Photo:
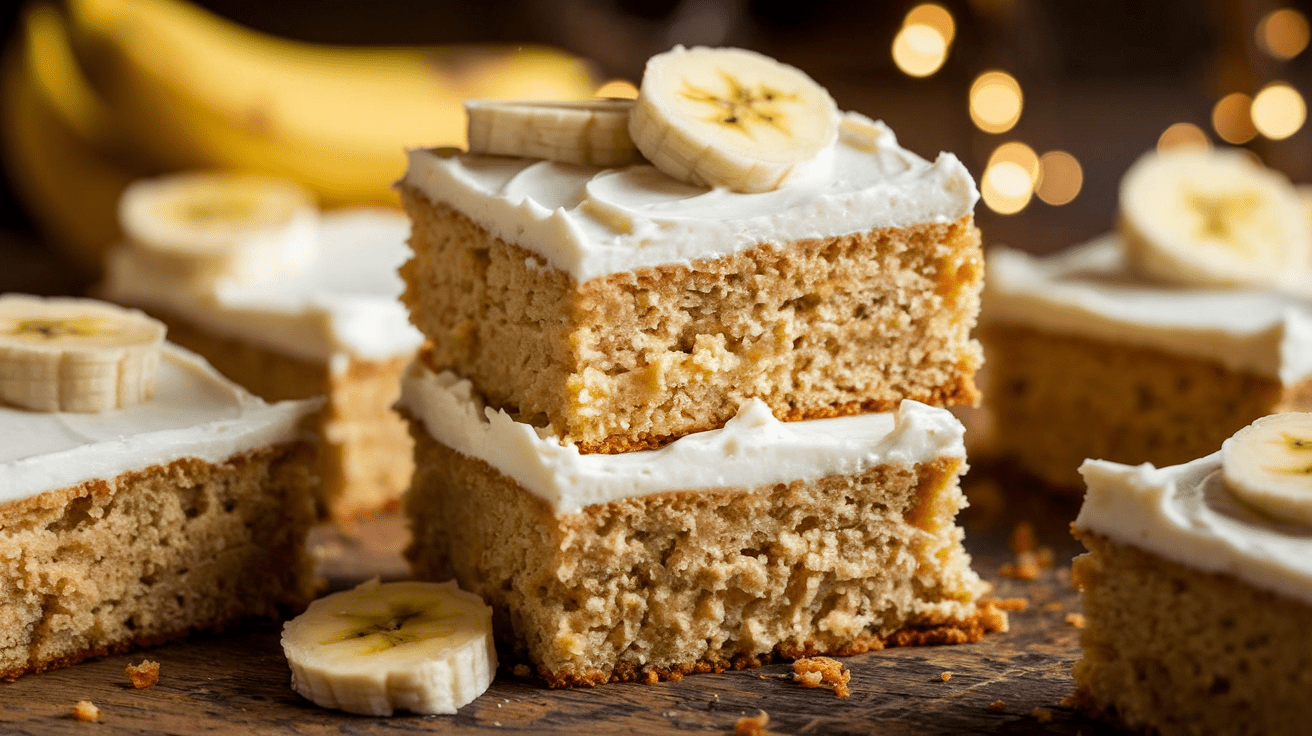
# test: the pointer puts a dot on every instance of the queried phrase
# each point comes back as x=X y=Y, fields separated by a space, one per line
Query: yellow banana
x=200 y=91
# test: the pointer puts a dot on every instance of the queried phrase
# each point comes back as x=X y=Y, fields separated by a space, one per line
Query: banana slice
x=421 y=647
x=76 y=355
x=1213 y=218
x=206 y=226
x=731 y=118
x=594 y=133
x=1268 y=464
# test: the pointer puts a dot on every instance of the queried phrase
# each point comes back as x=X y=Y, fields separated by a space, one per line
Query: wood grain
x=239 y=683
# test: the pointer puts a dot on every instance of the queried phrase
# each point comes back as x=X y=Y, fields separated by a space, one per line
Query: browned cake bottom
x=1056 y=400
x=365 y=452
x=630 y=361
x=152 y=555
x=661 y=586
x=1171 y=650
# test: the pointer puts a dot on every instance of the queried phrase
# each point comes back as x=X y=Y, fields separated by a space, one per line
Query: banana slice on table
x=76 y=355
x=421 y=647
x=1268 y=465
x=594 y=133
x=210 y=225
x=731 y=118
x=1213 y=218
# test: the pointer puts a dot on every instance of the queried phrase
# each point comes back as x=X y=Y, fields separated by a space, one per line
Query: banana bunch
x=107 y=91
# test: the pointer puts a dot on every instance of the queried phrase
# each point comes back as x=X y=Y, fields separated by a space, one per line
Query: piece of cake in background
x=1156 y=343
x=663 y=427
x=288 y=302
x=723 y=549
x=142 y=495
x=1197 y=588
x=626 y=308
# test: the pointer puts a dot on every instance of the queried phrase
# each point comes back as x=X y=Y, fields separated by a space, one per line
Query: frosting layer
x=593 y=222
x=1088 y=291
x=1184 y=513
x=752 y=449
x=345 y=302
x=195 y=413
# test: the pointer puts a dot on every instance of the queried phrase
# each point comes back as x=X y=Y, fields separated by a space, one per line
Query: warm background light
x=919 y=50
x=935 y=16
x=1278 y=111
x=1020 y=154
x=1283 y=33
x=618 y=88
x=995 y=102
x=1232 y=120
x=1006 y=187
x=1060 y=178
x=1183 y=135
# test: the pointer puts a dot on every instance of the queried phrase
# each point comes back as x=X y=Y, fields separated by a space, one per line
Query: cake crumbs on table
x=143 y=675
x=822 y=672
x=1042 y=715
x=1026 y=567
x=1054 y=606
x=997 y=706
x=945 y=676
x=1075 y=619
x=86 y=711
x=1011 y=604
x=751 y=725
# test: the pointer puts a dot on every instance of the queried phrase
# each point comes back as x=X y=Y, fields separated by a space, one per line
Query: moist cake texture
x=625 y=309
x=1087 y=360
x=132 y=527
x=1196 y=607
x=336 y=330
x=722 y=549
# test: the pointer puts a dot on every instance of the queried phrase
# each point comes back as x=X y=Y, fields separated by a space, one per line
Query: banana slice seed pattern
x=742 y=106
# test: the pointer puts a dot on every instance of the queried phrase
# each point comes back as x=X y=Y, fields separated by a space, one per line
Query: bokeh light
x=919 y=50
x=1006 y=187
x=618 y=88
x=1183 y=135
x=1283 y=33
x=1278 y=111
x=1020 y=154
x=935 y=16
x=1232 y=119
x=995 y=102
x=1060 y=178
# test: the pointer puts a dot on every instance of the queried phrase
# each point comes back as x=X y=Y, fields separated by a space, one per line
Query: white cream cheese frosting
x=592 y=222
x=195 y=413
x=1089 y=291
x=345 y=303
x=1184 y=514
x=752 y=449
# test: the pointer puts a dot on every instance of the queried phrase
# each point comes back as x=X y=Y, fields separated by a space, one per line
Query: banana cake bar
x=1196 y=604
x=723 y=549
x=625 y=309
x=187 y=511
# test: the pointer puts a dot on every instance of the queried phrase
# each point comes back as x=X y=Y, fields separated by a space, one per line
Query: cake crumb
x=651 y=678
x=1026 y=567
x=751 y=725
x=993 y=618
x=143 y=675
x=997 y=706
x=1042 y=715
x=521 y=670
x=1075 y=619
x=1054 y=606
x=945 y=676
x=821 y=671
x=1012 y=604
x=1022 y=537
x=1045 y=557
x=86 y=711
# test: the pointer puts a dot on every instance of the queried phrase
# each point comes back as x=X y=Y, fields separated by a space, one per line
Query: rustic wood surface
x=239 y=682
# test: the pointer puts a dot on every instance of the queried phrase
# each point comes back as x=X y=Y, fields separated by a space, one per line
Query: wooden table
x=239 y=683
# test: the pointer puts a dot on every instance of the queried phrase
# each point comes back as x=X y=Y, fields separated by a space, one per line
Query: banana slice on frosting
x=594 y=133
x=76 y=355
x=731 y=118
x=1213 y=218
x=1268 y=465
x=211 y=225
x=380 y=647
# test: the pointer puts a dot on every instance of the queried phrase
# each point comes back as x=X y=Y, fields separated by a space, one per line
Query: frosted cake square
x=723 y=549
x=625 y=309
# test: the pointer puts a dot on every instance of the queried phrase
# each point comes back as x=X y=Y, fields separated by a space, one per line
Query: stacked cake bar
x=665 y=428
